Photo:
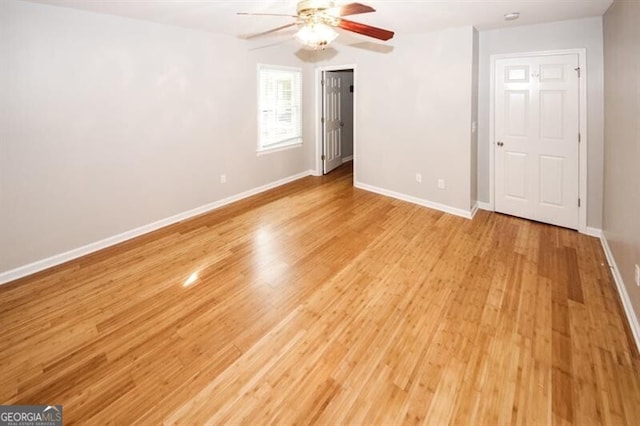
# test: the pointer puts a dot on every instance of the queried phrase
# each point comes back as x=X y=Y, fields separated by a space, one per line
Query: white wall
x=583 y=33
x=413 y=113
x=108 y=124
x=475 y=82
x=622 y=146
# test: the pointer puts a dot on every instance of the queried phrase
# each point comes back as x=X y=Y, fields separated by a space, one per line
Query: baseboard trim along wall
x=484 y=206
x=467 y=214
x=61 y=258
x=347 y=159
x=593 y=232
x=474 y=209
x=622 y=291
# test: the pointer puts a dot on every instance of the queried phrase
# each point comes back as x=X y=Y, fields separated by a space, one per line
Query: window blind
x=279 y=106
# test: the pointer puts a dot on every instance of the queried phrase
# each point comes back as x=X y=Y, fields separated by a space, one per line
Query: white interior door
x=332 y=123
x=537 y=138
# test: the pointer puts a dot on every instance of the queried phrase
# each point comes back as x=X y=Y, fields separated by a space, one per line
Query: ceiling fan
x=317 y=18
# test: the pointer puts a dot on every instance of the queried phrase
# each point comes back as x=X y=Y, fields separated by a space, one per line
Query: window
x=279 y=107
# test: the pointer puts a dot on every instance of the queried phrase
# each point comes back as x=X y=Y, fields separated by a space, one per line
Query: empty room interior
x=319 y=212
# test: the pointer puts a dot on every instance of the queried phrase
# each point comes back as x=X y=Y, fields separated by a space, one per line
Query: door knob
x=341 y=124
x=500 y=143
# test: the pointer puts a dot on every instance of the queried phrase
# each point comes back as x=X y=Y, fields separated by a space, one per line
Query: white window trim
x=278 y=148
x=296 y=142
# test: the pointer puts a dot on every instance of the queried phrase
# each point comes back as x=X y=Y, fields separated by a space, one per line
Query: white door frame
x=582 y=156
x=318 y=115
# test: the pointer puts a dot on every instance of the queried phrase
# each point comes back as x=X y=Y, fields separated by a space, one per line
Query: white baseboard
x=622 y=290
x=40 y=265
x=467 y=214
x=484 y=206
x=347 y=159
x=474 y=210
x=593 y=232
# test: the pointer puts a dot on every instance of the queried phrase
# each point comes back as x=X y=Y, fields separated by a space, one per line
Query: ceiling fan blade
x=250 y=36
x=368 y=30
x=277 y=43
x=266 y=14
x=349 y=9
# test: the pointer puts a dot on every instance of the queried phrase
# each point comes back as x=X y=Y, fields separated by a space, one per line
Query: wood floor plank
x=318 y=303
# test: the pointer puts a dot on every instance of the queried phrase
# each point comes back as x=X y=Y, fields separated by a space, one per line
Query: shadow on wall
x=373 y=47
x=314 y=56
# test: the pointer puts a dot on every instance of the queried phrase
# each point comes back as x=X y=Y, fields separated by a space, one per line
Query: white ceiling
x=401 y=16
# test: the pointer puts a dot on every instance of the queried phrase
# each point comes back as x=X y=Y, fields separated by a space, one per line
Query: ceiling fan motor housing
x=308 y=7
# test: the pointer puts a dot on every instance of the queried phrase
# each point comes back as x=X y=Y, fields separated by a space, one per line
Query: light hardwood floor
x=320 y=303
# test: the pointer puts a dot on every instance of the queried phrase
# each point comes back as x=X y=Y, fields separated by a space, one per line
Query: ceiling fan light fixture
x=316 y=35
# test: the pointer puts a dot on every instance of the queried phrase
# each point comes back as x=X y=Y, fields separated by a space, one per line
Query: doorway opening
x=335 y=117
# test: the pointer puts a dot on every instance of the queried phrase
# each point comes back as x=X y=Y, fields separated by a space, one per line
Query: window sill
x=278 y=149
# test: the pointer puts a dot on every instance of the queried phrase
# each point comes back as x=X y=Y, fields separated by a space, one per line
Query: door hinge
x=579 y=202
x=578 y=71
x=322 y=82
x=322 y=157
x=322 y=120
x=579 y=137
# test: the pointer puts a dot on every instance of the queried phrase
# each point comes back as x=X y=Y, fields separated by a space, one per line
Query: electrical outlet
x=223 y=178
x=440 y=183
x=419 y=177
x=637 y=275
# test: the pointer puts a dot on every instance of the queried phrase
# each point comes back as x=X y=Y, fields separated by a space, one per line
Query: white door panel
x=551 y=172
x=536 y=147
x=517 y=113
x=515 y=178
x=552 y=114
x=332 y=121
